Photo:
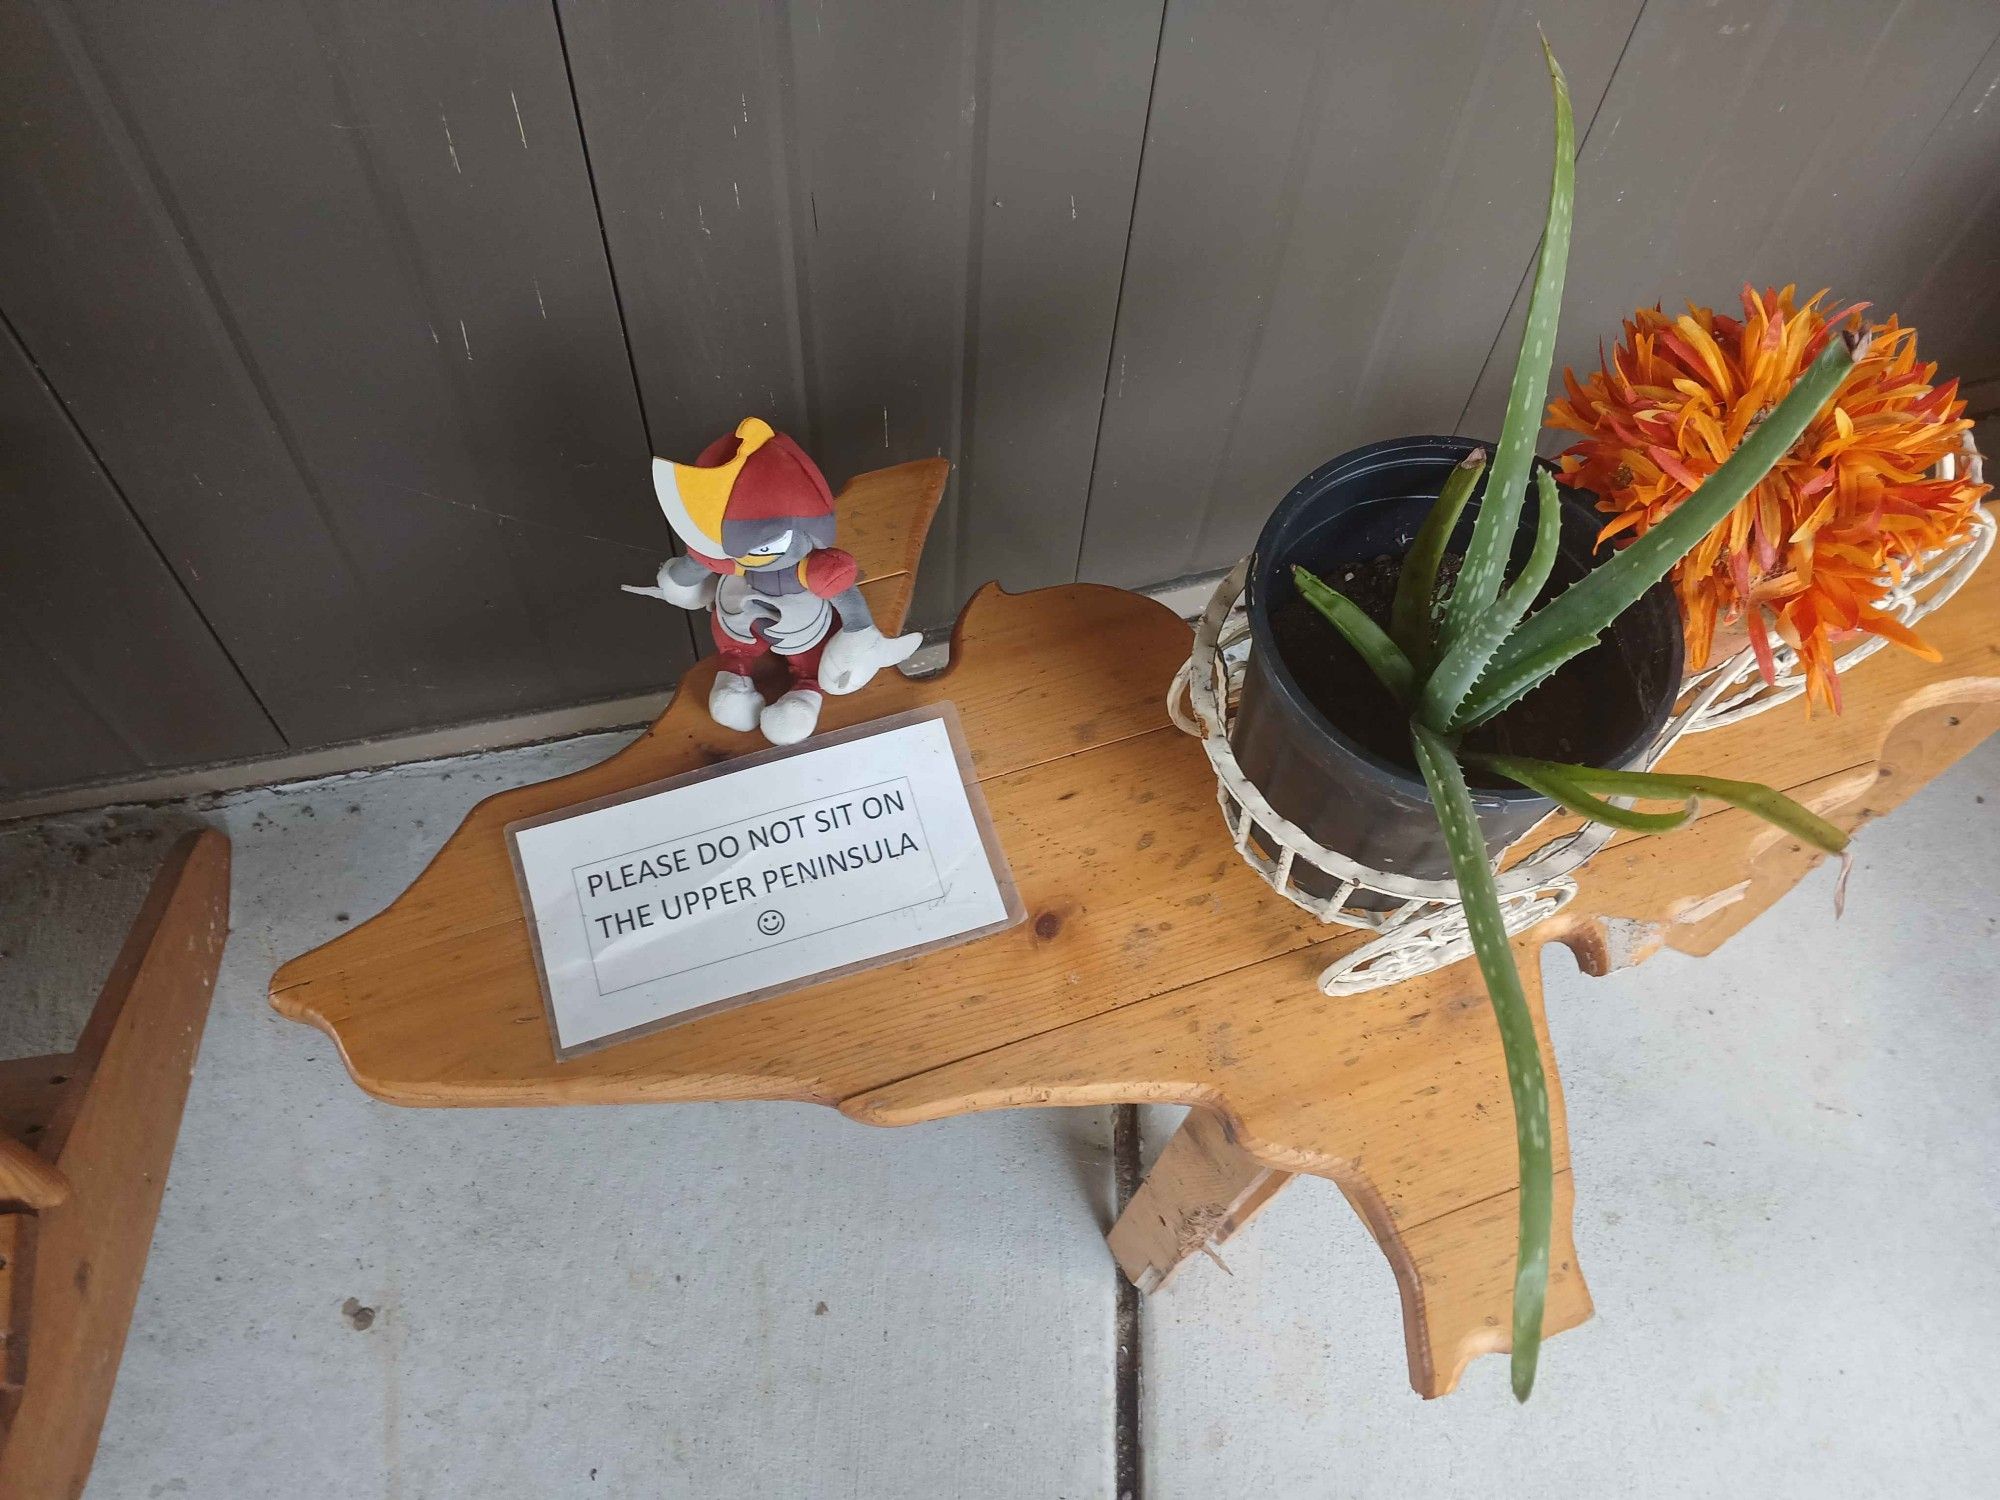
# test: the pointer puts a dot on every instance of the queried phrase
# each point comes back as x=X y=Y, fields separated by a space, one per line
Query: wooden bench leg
x=104 y=1119
x=1202 y=1190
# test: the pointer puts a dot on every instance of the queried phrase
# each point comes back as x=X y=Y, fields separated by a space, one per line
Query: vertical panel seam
x=603 y=238
x=789 y=181
x=1118 y=301
x=152 y=542
x=965 y=435
x=695 y=642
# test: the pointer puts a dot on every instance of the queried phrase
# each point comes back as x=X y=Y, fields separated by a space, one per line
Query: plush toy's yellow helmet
x=695 y=496
x=748 y=488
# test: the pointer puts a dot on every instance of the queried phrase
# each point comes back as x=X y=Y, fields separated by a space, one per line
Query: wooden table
x=1153 y=967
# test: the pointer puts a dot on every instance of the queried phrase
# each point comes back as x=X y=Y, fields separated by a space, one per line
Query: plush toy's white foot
x=735 y=703
x=792 y=717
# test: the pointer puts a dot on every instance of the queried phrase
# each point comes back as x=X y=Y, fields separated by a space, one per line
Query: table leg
x=1397 y=1096
x=1202 y=1190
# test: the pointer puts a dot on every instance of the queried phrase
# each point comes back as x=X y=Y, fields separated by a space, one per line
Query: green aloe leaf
x=1448 y=685
x=1590 y=604
x=1521 y=593
x=1561 y=789
x=1384 y=657
x=1517 y=1041
x=1410 y=620
x=1506 y=487
x=1772 y=806
x=1498 y=691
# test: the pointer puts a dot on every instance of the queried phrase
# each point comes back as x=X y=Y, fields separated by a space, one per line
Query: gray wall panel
x=372 y=310
x=686 y=112
x=897 y=227
x=324 y=286
x=1833 y=144
x=1946 y=244
x=1336 y=204
x=105 y=296
x=105 y=667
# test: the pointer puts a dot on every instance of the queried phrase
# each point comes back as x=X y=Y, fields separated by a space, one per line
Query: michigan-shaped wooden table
x=1152 y=966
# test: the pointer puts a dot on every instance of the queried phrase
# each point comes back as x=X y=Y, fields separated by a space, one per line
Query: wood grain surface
x=1154 y=966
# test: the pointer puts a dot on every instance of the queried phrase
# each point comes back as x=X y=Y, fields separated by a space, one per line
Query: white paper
x=756 y=879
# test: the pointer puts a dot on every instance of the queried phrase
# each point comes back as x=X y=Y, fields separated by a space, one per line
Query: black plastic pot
x=1367 y=504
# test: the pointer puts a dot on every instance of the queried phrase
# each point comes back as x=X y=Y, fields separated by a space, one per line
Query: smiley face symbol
x=770 y=923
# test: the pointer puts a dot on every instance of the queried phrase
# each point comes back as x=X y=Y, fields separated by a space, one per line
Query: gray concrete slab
x=1787 y=1202
x=347 y=1299
x=1787 y=1198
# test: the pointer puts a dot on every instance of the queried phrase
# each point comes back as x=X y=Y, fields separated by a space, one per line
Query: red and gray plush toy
x=756 y=517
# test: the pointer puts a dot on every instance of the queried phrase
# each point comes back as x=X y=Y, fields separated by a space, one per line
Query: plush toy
x=756 y=517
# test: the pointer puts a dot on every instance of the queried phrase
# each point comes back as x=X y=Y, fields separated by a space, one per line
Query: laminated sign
x=743 y=881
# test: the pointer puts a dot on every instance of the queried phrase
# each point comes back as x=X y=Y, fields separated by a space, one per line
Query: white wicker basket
x=1420 y=924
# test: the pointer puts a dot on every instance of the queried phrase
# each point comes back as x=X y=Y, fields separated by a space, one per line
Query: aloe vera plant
x=1456 y=666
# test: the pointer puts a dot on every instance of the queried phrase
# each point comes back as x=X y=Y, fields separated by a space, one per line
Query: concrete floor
x=1787 y=1203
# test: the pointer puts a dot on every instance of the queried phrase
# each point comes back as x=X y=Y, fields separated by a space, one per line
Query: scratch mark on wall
x=1072 y=205
x=885 y=427
x=497 y=515
x=434 y=333
x=464 y=339
x=449 y=145
x=538 y=299
x=738 y=192
x=702 y=219
x=521 y=129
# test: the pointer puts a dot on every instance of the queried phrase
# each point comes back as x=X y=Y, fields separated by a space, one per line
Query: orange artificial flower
x=1820 y=540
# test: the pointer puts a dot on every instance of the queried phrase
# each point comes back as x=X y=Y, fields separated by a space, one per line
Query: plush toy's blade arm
x=683 y=582
x=853 y=656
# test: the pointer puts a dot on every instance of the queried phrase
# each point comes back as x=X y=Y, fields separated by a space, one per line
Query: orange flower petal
x=1818 y=540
